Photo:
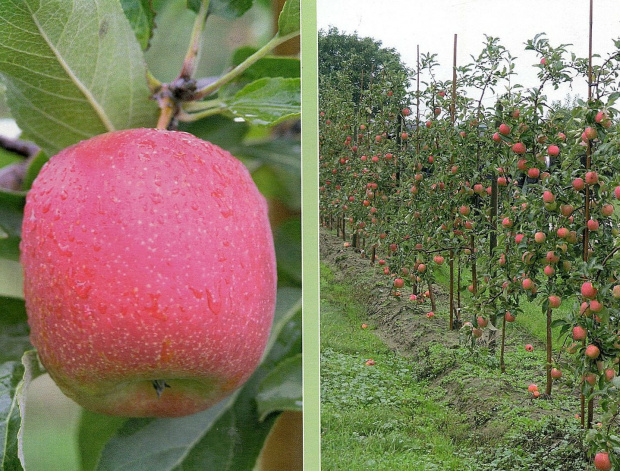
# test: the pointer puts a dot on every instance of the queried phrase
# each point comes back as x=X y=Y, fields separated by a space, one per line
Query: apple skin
x=147 y=255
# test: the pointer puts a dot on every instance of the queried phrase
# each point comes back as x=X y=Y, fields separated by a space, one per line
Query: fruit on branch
x=518 y=148
x=592 y=352
x=150 y=275
x=602 y=461
x=579 y=333
x=588 y=291
x=504 y=129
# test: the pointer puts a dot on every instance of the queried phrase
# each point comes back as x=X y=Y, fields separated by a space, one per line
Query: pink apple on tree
x=130 y=313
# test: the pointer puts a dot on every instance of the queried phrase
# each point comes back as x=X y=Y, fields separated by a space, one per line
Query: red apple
x=540 y=237
x=591 y=177
x=579 y=333
x=592 y=224
x=549 y=270
x=553 y=150
x=504 y=129
x=590 y=133
x=579 y=184
x=592 y=352
x=370 y=362
x=607 y=210
x=602 y=461
x=131 y=314
x=399 y=283
x=529 y=348
x=555 y=373
x=588 y=291
x=533 y=172
x=548 y=197
x=406 y=111
x=496 y=137
x=554 y=301
x=518 y=148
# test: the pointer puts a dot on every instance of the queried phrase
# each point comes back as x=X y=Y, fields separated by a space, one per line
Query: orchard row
x=520 y=198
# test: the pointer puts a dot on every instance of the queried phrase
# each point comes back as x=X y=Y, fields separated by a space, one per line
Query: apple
x=553 y=150
x=540 y=237
x=590 y=133
x=533 y=172
x=364 y=326
x=465 y=210
x=592 y=224
x=602 y=461
x=566 y=209
x=579 y=184
x=588 y=291
x=399 y=283
x=592 y=352
x=591 y=177
x=504 y=129
x=532 y=387
x=149 y=272
x=477 y=332
x=515 y=113
x=590 y=378
x=551 y=257
x=528 y=284
x=482 y=322
x=579 y=333
x=616 y=291
x=438 y=259
x=549 y=270
x=430 y=314
x=507 y=222
x=609 y=374
x=370 y=362
x=548 y=197
x=554 y=301
x=607 y=210
x=496 y=137
x=555 y=373
x=518 y=148
x=529 y=348
x=406 y=111
x=562 y=232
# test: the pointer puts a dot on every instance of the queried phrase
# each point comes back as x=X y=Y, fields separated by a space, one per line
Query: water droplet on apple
x=64 y=195
x=46 y=207
x=215 y=303
x=82 y=289
x=196 y=292
x=156 y=198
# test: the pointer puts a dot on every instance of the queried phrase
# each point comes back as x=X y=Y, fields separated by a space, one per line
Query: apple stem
x=191 y=57
x=160 y=385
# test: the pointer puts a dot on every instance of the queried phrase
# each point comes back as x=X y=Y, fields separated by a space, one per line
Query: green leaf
x=225 y=8
x=267 y=101
x=288 y=22
x=11 y=214
x=14 y=330
x=72 y=69
x=217 y=435
x=285 y=67
x=288 y=249
x=141 y=18
x=281 y=389
x=15 y=378
x=11 y=374
x=34 y=168
x=94 y=432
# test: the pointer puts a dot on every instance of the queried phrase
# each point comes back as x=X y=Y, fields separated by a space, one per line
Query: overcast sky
x=404 y=24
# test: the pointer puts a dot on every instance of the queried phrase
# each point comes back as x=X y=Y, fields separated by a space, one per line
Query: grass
x=378 y=417
x=445 y=409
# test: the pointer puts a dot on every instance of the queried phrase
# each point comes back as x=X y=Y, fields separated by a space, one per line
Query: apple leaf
x=141 y=18
x=217 y=435
x=34 y=167
x=285 y=67
x=11 y=373
x=15 y=376
x=61 y=90
x=224 y=8
x=11 y=214
x=93 y=433
x=282 y=388
x=267 y=101
x=289 y=19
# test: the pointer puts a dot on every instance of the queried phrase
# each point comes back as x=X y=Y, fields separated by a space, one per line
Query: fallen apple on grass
x=150 y=275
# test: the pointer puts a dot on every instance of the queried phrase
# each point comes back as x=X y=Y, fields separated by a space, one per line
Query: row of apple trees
x=516 y=195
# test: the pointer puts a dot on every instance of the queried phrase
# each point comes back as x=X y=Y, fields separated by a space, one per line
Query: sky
x=405 y=24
